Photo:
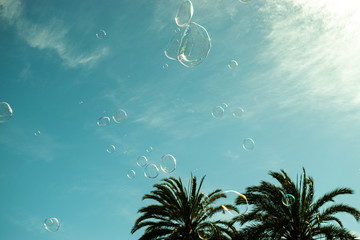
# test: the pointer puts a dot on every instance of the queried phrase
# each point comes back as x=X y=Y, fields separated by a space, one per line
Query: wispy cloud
x=49 y=36
x=312 y=51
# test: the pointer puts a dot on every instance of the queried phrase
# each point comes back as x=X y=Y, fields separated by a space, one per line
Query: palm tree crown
x=272 y=216
x=179 y=212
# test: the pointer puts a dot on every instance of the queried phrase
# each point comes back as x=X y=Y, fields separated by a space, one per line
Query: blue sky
x=297 y=80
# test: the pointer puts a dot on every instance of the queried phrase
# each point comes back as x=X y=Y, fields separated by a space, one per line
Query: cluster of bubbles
x=52 y=224
x=119 y=116
x=218 y=112
x=151 y=170
x=101 y=34
x=288 y=200
x=191 y=44
x=6 y=112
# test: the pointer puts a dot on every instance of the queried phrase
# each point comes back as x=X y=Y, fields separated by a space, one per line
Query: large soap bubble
x=194 y=46
x=168 y=163
x=5 y=112
x=184 y=13
x=227 y=204
x=51 y=224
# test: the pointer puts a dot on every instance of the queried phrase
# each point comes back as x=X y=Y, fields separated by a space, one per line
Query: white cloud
x=49 y=36
x=313 y=51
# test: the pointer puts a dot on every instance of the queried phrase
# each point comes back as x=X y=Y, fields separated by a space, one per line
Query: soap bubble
x=238 y=112
x=141 y=161
x=224 y=106
x=81 y=102
x=205 y=230
x=233 y=64
x=5 y=112
x=131 y=174
x=149 y=149
x=194 y=46
x=217 y=112
x=120 y=115
x=248 y=144
x=51 y=224
x=103 y=121
x=172 y=49
x=37 y=133
x=110 y=149
x=151 y=171
x=288 y=200
x=168 y=163
x=101 y=34
x=165 y=66
x=184 y=13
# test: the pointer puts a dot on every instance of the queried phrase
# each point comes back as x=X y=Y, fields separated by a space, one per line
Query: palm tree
x=179 y=213
x=272 y=216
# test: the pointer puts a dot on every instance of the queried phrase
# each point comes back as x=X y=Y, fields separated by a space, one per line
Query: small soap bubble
x=37 y=133
x=238 y=112
x=52 y=224
x=141 y=161
x=151 y=171
x=103 y=121
x=205 y=230
x=168 y=163
x=5 y=112
x=120 y=116
x=288 y=200
x=177 y=30
x=248 y=144
x=81 y=102
x=165 y=66
x=149 y=149
x=101 y=34
x=110 y=149
x=131 y=174
x=233 y=64
x=224 y=106
x=195 y=45
x=184 y=13
x=217 y=112
x=244 y=1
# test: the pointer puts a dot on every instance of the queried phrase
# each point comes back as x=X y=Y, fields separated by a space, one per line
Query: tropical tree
x=179 y=213
x=290 y=211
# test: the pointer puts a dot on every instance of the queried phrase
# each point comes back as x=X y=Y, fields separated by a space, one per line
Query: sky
x=297 y=81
